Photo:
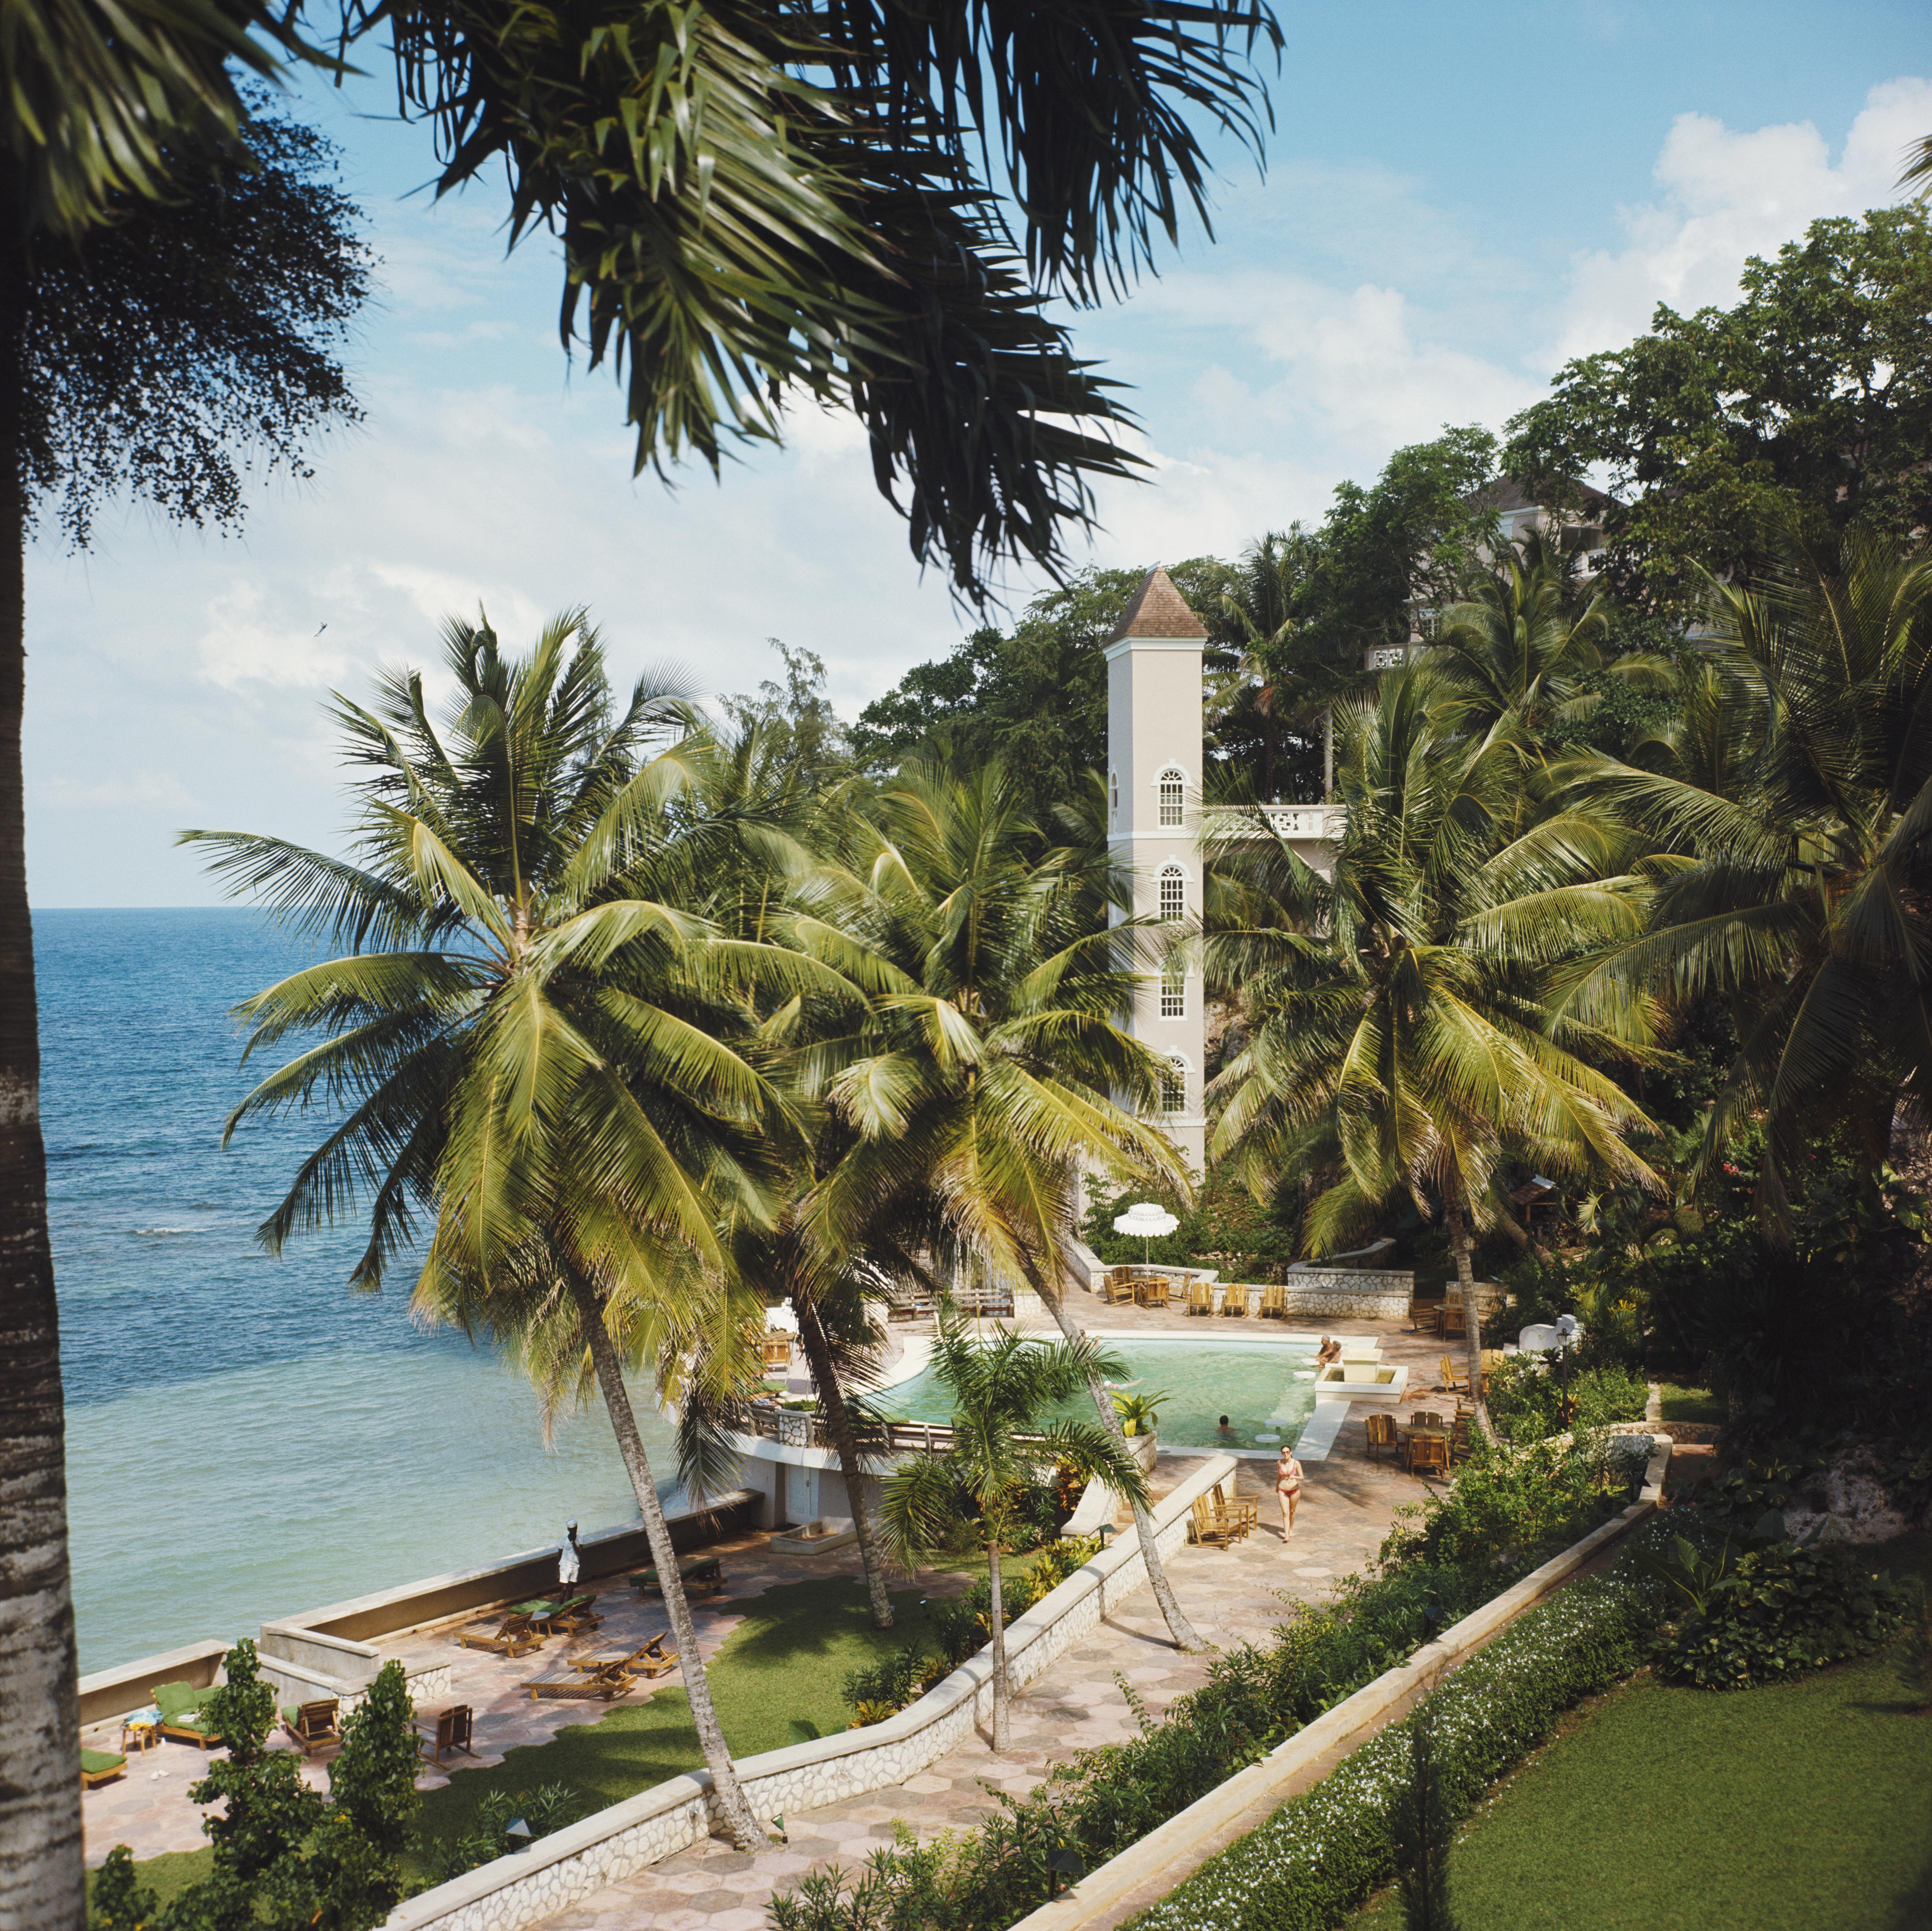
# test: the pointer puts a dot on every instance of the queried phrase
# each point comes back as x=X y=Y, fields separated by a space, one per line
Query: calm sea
x=246 y=1437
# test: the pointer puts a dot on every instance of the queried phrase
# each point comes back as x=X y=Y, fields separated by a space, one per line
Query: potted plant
x=1139 y=1420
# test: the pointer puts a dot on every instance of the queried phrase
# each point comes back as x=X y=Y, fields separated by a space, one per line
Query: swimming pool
x=1266 y=1389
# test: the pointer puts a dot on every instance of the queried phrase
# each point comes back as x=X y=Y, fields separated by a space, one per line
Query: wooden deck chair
x=1459 y=1438
x=100 y=1767
x=314 y=1725
x=1427 y=1456
x=1234 y=1302
x=1151 y=1290
x=1119 y=1291
x=1425 y=1418
x=1381 y=1434
x=453 y=1730
x=605 y=1685
x=1241 y=1512
x=1454 y=1327
x=577 y=1615
x=651 y=1658
x=1274 y=1302
x=1492 y=1360
x=514 y=1636
x=1453 y=1376
x=1205 y=1530
x=1422 y=1314
x=1200 y=1298
x=700 y=1572
x=778 y=1351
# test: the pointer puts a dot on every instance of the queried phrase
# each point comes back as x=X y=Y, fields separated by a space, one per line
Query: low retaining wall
x=1340 y=1293
x=1172 y=1852
x=113 y=1692
x=618 y=1842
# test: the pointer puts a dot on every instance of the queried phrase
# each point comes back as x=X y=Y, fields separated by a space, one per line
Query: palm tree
x=1403 y=1036
x=530 y=1032
x=983 y=1079
x=1789 y=819
x=1000 y=1393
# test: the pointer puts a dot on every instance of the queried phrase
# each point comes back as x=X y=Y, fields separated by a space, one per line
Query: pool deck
x=1231 y=1596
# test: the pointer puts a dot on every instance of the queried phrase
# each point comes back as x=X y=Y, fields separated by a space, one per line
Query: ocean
x=247 y=1437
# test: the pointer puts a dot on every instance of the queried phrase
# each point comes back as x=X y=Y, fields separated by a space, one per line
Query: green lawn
x=1680 y=1404
x=1803 y=1806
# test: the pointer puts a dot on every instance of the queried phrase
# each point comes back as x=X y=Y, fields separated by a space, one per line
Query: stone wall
x=1340 y=1293
x=623 y=1840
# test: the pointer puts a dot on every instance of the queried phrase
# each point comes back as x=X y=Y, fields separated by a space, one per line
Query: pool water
x=1264 y=1389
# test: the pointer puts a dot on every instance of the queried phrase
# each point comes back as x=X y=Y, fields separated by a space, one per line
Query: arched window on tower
x=1173 y=796
x=1173 y=894
x=1174 y=1086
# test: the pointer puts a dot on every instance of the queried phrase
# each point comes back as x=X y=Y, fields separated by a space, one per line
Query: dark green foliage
x=548 y=1807
x=1778 y=1611
x=1810 y=403
x=1223 y=1226
x=168 y=351
x=1420 y=1829
x=1532 y=1396
x=1321 y=1854
x=356 y=1859
x=1915 y=1653
x=120 y=1902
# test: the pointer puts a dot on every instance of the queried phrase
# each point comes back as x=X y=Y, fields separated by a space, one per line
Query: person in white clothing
x=567 y=1562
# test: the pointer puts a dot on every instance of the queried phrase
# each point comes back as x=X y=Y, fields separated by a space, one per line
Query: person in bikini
x=1287 y=1487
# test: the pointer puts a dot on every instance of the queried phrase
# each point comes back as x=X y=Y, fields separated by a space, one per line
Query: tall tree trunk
x=845 y=1442
x=1002 y=1729
x=1178 y=1626
x=1455 y=1210
x=739 y=1824
x=1328 y=754
x=41 y=1872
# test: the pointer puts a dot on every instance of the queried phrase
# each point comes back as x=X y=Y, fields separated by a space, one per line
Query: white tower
x=1153 y=825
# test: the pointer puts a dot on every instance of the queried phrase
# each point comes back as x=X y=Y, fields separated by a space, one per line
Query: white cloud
x=1725 y=194
x=138 y=788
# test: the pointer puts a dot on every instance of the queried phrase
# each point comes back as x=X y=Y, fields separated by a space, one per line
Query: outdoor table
x=1406 y=1435
x=141 y=1731
x=1151 y=1293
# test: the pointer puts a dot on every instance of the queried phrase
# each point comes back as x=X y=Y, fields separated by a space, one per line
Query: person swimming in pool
x=1224 y=1429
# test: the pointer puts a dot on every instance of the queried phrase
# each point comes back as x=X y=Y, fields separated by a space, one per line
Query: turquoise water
x=245 y=1437
x=1262 y=1389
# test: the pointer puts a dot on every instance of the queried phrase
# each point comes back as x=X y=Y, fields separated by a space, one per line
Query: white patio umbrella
x=1147 y=1219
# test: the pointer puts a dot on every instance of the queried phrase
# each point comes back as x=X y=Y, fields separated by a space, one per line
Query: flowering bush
x=1321 y=1854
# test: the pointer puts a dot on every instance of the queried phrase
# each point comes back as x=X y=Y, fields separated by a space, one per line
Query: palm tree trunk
x=1178 y=1626
x=1002 y=1735
x=845 y=1442
x=739 y=1824
x=1460 y=1243
x=41 y=1874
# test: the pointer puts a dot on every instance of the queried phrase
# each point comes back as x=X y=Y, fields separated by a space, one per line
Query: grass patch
x=1680 y=1404
x=786 y=1661
x=168 y=1874
x=1787 y=1808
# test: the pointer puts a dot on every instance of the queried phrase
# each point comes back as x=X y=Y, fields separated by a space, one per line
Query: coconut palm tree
x=532 y=1034
x=988 y=1071
x=1788 y=815
x=1401 y=1034
x=1002 y=1439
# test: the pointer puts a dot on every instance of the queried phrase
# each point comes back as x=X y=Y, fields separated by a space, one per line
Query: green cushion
x=94 y=1761
x=176 y=1699
x=537 y=1608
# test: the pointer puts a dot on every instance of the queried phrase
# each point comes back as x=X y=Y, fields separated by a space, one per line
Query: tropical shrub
x=547 y=1808
x=1528 y=1395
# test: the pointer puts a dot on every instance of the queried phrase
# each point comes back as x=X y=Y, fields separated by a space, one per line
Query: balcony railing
x=801 y=1427
x=1322 y=824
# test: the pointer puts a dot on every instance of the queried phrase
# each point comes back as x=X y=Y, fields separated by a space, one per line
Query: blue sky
x=1456 y=198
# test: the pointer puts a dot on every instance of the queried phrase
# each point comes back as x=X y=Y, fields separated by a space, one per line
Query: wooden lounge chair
x=1454 y=1327
x=180 y=1704
x=577 y=1616
x=700 y=1572
x=606 y=1685
x=1200 y=1298
x=1207 y=1529
x=454 y=1730
x=100 y=1767
x=1240 y=1512
x=1274 y=1302
x=1382 y=1434
x=313 y=1725
x=514 y=1636
x=1453 y=1376
x=1427 y=1454
x=651 y=1660
x=1234 y=1301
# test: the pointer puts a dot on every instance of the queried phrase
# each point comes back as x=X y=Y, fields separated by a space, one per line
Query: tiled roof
x=1157 y=609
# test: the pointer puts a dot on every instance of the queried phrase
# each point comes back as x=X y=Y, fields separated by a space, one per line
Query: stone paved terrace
x=1231 y=1595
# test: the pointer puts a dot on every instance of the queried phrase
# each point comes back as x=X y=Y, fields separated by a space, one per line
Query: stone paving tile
x=1231 y=1595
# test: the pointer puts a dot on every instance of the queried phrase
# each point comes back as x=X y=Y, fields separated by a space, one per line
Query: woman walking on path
x=1287 y=1487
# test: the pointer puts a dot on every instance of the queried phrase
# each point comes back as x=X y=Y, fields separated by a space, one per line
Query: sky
x=1455 y=201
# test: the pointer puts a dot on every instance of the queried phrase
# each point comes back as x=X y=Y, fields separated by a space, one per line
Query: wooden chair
x=1422 y=1314
x=651 y=1658
x=1453 y=1376
x=577 y=1616
x=693 y=1571
x=1459 y=1439
x=1428 y=1454
x=1454 y=1327
x=514 y=1636
x=1207 y=1529
x=778 y=1351
x=1200 y=1298
x=1119 y=1291
x=1382 y=1434
x=101 y=1766
x=605 y=1685
x=1492 y=1360
x=1234 y=1301
x=1274 y=1302
x=455 y=1731
x=1425 y=1418
x=1151 y=1290
x=1240 y=1512
x=314 y=1725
